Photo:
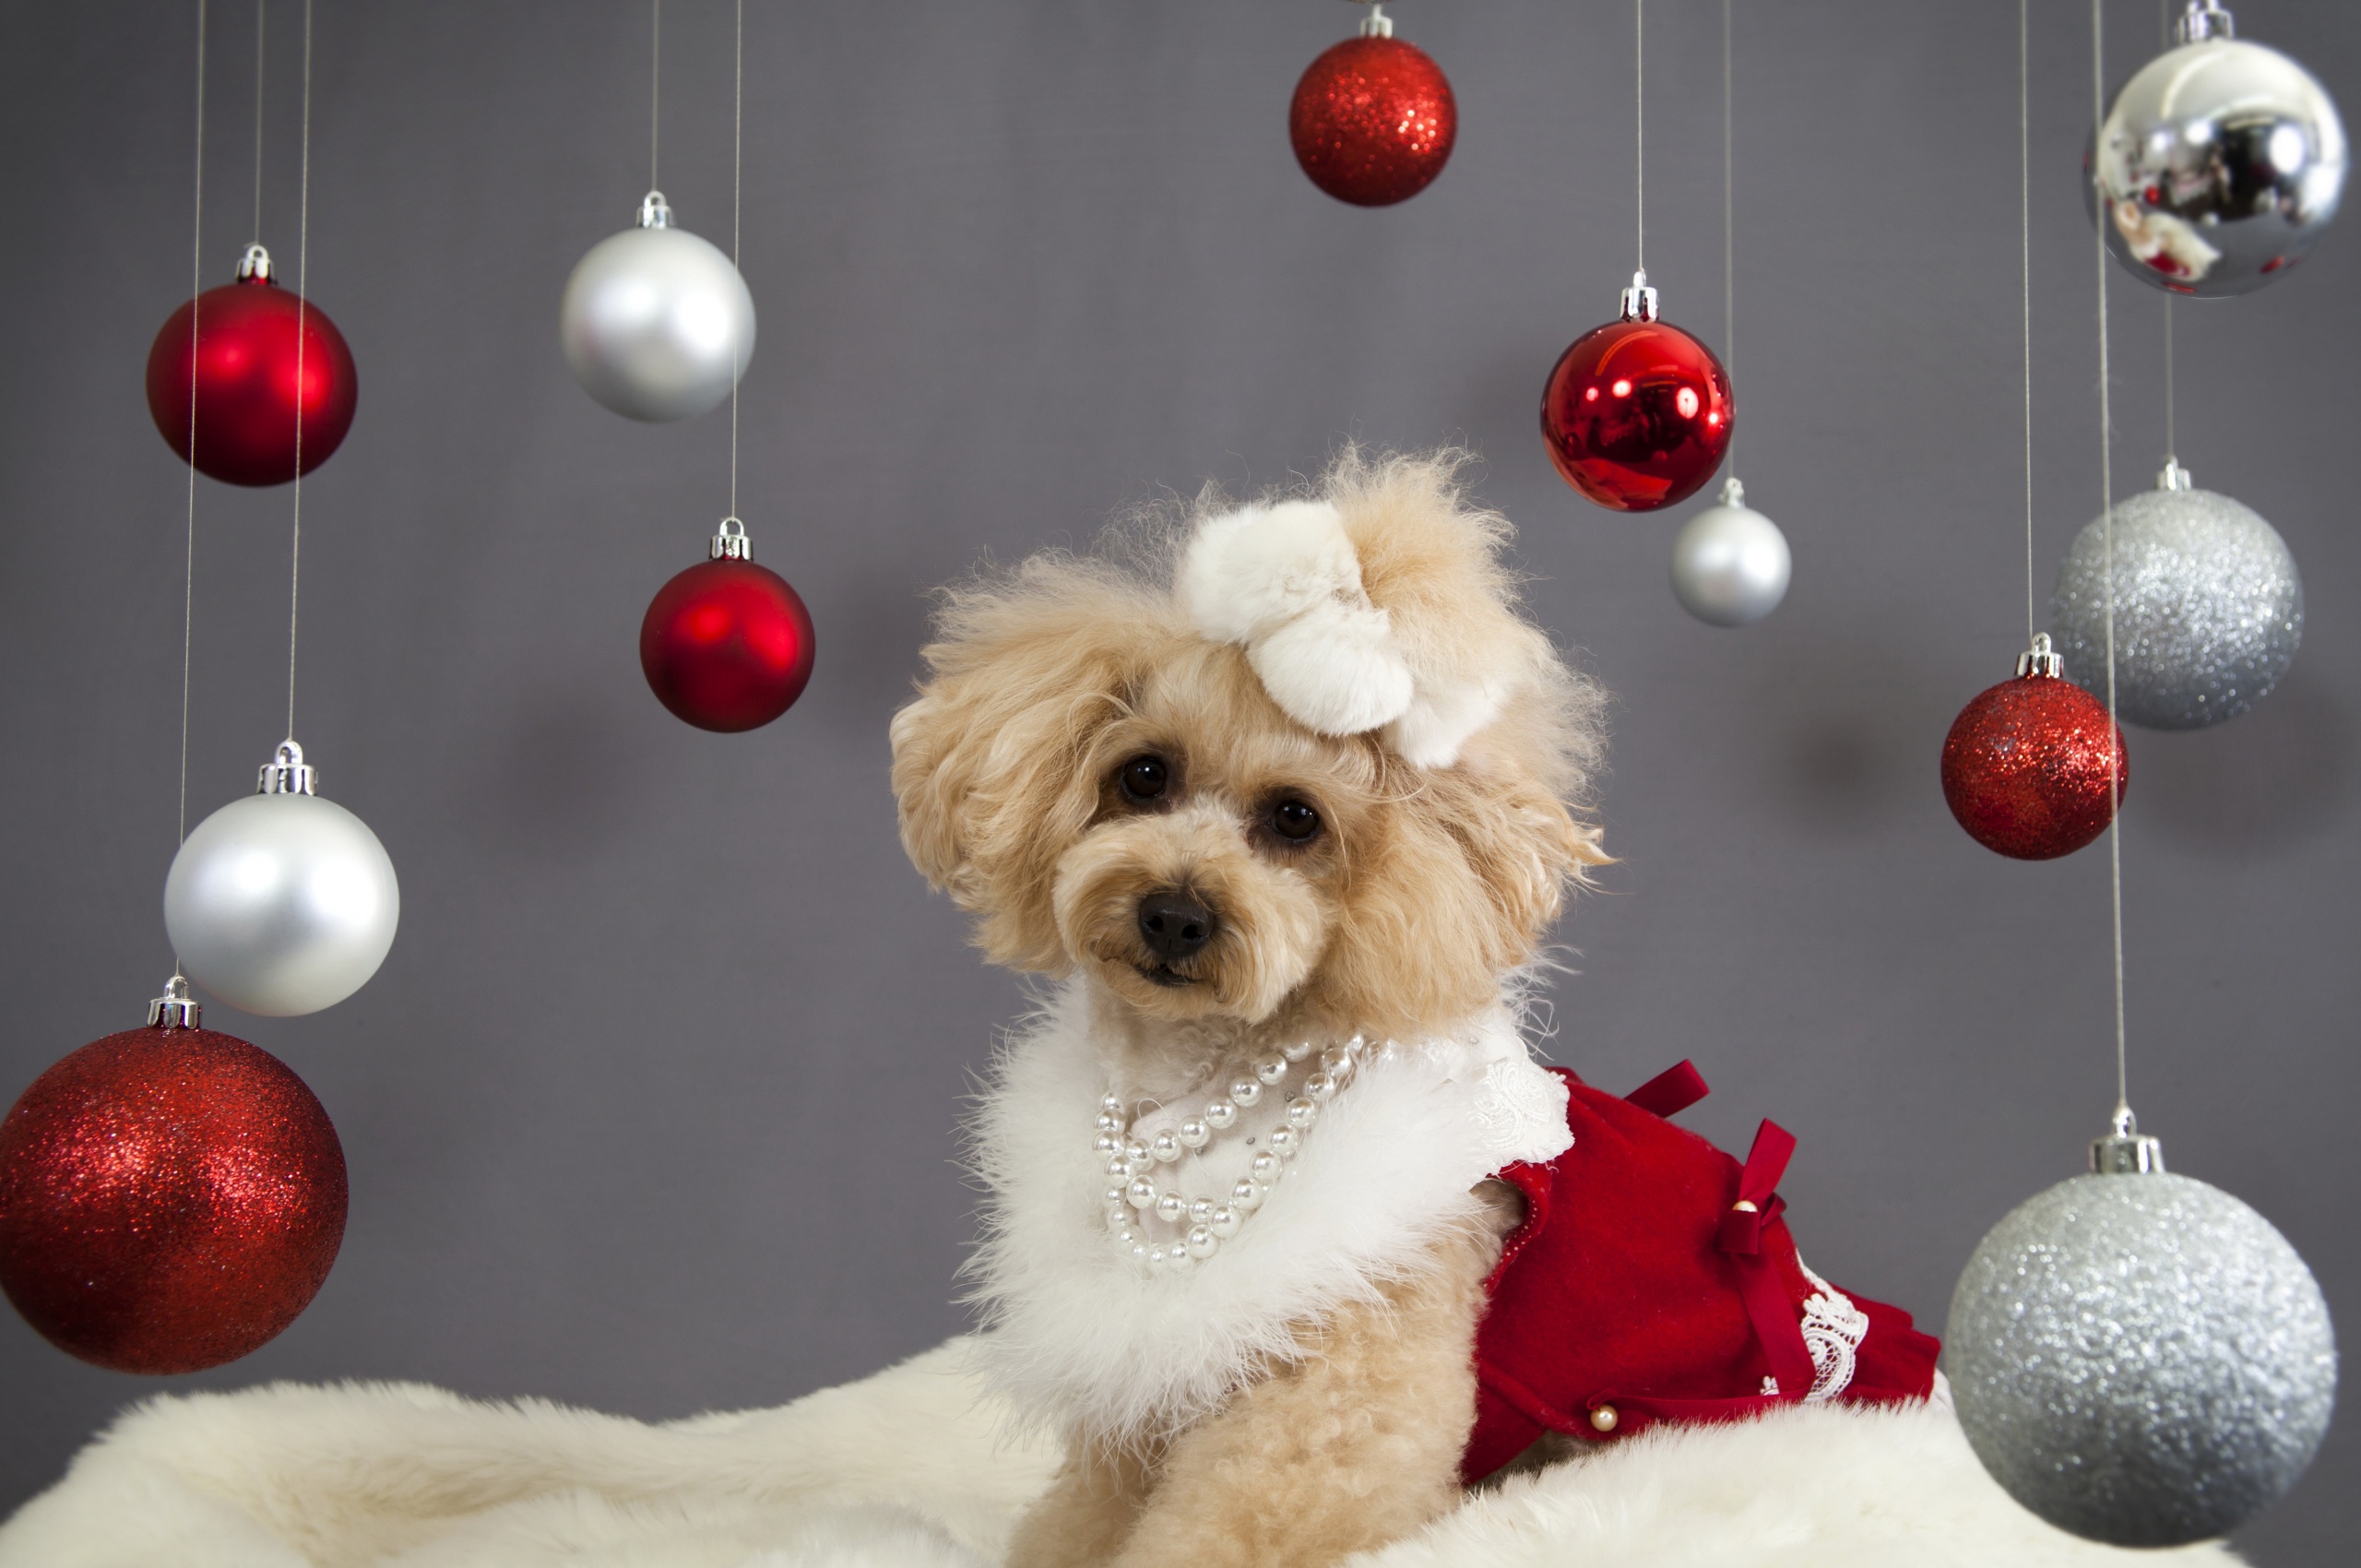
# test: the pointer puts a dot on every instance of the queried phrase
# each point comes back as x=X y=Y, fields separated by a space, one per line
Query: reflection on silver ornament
x=2139 y=1358
x=1730 y=563
x=2219 y=163
x=281 y=903
x=656 y=324
x=2209 y=607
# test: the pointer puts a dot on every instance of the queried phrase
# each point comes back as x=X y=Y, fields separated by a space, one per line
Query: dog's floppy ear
x=989 y=771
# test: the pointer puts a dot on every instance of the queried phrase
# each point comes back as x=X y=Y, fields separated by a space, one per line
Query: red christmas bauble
x=2025 y=768
x=1372 y=120
x=1637 y=415
x=243 y=338
x=727 y=644
x=170 y=1200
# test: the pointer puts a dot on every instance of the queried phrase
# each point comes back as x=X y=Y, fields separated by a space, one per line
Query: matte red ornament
x=727 y=644
x=169 y=1199
x=2026 y=767
x=1373 y=119
x=1637 y=413
x=241 y=336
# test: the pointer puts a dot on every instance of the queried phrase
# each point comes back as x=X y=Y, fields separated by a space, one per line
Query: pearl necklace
x=1132 y=1187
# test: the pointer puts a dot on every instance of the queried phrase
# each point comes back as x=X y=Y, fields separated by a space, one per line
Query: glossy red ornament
x=2026 y=764
x=243 y=337
x=169 y=1199
x=1637 y=413
x=727 y=644
x=1373 y=120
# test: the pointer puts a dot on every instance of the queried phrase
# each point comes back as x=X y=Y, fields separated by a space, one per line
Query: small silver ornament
x=2139 y=1358
x=281 y=903
x=1730 y=563
x=2219 y=163
x=656 y=324
x=2209 y=607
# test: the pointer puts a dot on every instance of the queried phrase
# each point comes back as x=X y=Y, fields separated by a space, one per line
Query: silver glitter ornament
x=2209 y=607
x=2139 y=1358
x=656 y=324
x=1730 y=563
x=2219 y=163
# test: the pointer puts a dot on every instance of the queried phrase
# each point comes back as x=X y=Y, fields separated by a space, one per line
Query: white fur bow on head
x=1285 y=582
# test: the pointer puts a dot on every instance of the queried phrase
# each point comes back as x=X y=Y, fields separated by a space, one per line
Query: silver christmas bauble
x=2209 y=608
x=2140 y=1359
x=1730 y=563
x=281 y=903
x=656 y=324
x=2218 y=165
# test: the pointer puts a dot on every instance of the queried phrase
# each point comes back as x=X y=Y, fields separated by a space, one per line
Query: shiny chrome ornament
x=1730 y=563
x=655 y=323
x=2219 y=163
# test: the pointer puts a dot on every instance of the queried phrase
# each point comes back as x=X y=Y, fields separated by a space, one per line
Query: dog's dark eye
x=1294 y=822
x=1144 y=779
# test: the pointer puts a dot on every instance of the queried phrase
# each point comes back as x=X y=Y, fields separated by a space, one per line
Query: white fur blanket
x=920 y=1467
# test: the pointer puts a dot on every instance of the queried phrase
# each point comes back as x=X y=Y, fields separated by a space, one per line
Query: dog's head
x=1307 y=757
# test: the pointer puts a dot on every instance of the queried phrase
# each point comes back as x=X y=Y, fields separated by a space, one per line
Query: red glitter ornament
x=2026 y=767
x=1637 y=413
x=243 y=338
x=1373 y=120
x=170 y=1197
x=727 y=644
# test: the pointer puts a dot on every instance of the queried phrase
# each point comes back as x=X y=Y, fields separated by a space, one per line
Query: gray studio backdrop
x=653 y=1106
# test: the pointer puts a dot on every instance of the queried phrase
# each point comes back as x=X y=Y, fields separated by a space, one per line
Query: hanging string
x=1640 y=117
x=2172 y=443
x=2024 y=287
x=195 y=306
x=654 y=81
x=737 y=186
x=259 y=61
x=302 y=295
x=2107 y=514
x=1729 y=232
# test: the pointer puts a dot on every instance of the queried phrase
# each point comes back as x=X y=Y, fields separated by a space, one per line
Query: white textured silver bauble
x=2209 y=608
x=2217 y=166
x=281 y=904
x=1730 y=563
x=2140 y=1359
x=656 y=324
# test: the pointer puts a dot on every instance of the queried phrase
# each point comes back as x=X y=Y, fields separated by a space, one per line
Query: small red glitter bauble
x=170 y=1200
x=243 y=338
x=2026 y=767
x=1637 y=415
x=1372 y=120
x=727 y=644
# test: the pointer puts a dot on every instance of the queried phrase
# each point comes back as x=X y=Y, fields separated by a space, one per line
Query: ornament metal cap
x=175 y=1009
x=1639 y=300
x=729 y=542
x=254 y=266
x=2204 y=20
x=2123 y=1152
x=2040 y=659
x=2171 y=476
x=1377 y=24
x=286 y=773
x=654 y=211
x=1733 y=493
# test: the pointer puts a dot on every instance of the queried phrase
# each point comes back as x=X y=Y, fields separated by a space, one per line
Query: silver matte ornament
x=1730 y=563
x=281 y=903
x=2219 y=163
x=2209 y=607
x=2139 y=1358
x=656 y=324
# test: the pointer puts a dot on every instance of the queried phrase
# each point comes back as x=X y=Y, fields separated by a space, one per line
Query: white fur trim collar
x=1083 y=1335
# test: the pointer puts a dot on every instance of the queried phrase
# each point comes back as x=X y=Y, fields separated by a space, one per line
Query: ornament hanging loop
x=2204 y=20
x=254 y=266
x=729 y=542
x=655 y=212
x=2123 y=1152
x=1639 y=300
x=286 y=773
x=175 y=1009
x=1377 y=24
x=2041 y=659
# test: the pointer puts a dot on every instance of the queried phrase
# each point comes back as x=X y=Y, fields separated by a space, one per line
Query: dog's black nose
x=1174 y=925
